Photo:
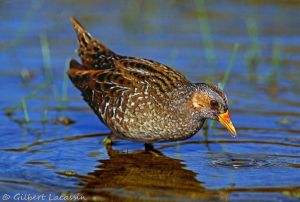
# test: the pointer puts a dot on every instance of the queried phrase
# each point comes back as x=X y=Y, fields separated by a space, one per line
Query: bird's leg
x=150 y=149
x=108 y=147
x=109 y=139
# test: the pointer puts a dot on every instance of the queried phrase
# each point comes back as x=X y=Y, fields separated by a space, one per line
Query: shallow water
x=59 y=151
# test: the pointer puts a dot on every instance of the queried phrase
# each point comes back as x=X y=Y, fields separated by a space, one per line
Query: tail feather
x=92 y=52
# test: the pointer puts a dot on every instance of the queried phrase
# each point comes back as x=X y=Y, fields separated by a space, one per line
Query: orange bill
x=225 y=120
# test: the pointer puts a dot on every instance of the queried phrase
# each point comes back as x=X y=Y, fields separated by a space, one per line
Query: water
x=53 y=156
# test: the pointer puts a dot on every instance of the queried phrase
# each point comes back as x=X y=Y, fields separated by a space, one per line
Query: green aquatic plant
x=172 y=57
x=45 y=114
x=64 y=96
x=48 y=85
x=25 y=110
x=37 y=90
x=253 y=54
x=206 y=35
x=276 y=62
x=230 y=65
x=130 y=18
x=26 y=19
x=138 y=14
x=46 y=58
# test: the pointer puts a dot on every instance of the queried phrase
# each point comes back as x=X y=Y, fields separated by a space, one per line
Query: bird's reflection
x=144 y=176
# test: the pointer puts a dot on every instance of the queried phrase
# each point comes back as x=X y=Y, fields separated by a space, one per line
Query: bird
x=142 y=100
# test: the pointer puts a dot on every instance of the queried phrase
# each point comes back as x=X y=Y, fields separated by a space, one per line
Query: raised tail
x=93 y=53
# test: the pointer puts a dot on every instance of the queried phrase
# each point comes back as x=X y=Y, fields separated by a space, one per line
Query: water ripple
x=245 y=160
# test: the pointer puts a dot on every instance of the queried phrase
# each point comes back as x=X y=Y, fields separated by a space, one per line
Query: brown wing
x=150 y=74
x=101 y=88
x=128 y=75
x=95 y=83
x=96 y=56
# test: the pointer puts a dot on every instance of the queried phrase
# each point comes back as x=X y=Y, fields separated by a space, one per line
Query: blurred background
x=50 y=140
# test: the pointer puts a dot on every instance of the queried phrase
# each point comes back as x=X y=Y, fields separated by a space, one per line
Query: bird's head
x=210 y=102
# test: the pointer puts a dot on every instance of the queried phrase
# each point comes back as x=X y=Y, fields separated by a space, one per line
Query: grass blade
x=25 y=110
x=230 y=65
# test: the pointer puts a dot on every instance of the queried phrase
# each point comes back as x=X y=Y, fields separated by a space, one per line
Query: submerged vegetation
x=41 y=91
x=208 y=44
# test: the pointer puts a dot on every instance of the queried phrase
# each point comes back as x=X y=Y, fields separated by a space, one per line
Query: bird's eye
x=214 y=104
